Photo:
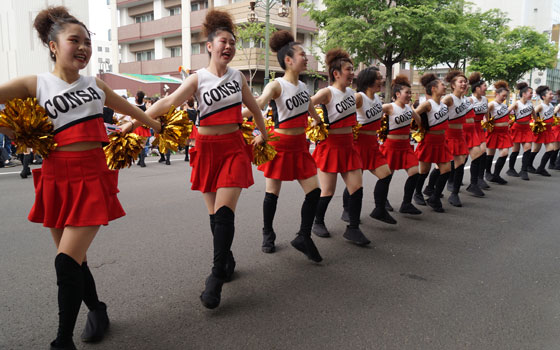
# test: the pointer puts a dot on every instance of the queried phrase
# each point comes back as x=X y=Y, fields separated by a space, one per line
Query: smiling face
x=459 y=85
x=527 y=94
x=404 y=95
x=346 y=74
x=72 y=47
x=439 y=89
x=379 y=83
x=222 y=47
x=500 y=97
x=297 y=63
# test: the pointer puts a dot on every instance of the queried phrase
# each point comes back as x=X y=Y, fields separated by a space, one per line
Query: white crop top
x=371 y=111
x=290 y=109
x=341 y=110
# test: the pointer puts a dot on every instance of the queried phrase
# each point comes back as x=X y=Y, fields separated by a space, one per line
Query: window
x=107 y=60
x=100 y=60
x=107 y=49
x=176 y=51
x=195 y=49
x=110 y=69
x=195 y=6
x=144 y=18
x=99 y=49
x=145 y=55
x=174 y=11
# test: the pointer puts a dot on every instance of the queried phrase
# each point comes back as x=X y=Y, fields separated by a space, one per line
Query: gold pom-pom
x=261 y=153
x=176 y=129
x=247 y=128
x=356 y=130
x=384 y=130
x=123 y=149
x=319 y=132
x=538 y=126
x=556 y=121
x=31 y=125
x=511 y=120
x=488 y=125
x=419 y=132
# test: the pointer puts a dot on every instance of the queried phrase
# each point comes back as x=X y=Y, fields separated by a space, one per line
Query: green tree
x=389 y=31
x=516 y=52
x=250 y=37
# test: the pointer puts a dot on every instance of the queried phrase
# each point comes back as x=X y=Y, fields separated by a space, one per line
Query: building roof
x=145 y=78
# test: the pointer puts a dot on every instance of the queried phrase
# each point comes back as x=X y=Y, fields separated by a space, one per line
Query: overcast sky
x=99 y=19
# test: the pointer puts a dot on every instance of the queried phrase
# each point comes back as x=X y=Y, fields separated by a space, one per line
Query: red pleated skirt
x=367 y=147
x=456 y=142
x=433 y=149
x=556 y=131
x=220 y=161
x=471 y=135
x=499 y=138
x=399 y=154
x=293 y=161
x=337 y=154
x=521 y=133
x=480 y=131
x=142 y=131
x=75 y=189
x=546 y=136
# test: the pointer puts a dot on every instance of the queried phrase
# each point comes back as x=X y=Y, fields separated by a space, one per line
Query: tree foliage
x=251 y=35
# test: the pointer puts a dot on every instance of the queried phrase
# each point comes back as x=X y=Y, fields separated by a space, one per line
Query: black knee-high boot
x=409 y=186
x=97 y=319
x=458 y=178
x=451 y=177
x=303 y=241
x=497 y=169
x=474 y=187
x=434 y=201
x=25 y=172
x=269 y=210
x=512 y=160
x=319 y=227
x=353 y=232
x=70 y=281
x=345 y=198
x=530 y=167
x=380 y=194
x=230 y=266
x=542 y=167
x=489 y=161
x=168 y=158
x=432 y=179
x=482 y=167
x=224 y=230
x=553 y=157
x=418 y=196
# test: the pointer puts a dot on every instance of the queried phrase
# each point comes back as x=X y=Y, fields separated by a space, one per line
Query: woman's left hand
x=259 y=140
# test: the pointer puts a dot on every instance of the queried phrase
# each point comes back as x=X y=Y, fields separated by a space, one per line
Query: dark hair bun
x=475 y=78
x=453 y=74
x=501 y=84
x=335 y=54
x=47 y=18
x=521 y=86
x=217 y=19
x=280 y=39
x=401 y=79
x=428 y=78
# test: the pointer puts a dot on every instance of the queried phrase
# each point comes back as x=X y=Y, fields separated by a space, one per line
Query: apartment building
x=158 y=36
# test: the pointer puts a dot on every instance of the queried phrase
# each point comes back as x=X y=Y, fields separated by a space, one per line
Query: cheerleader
x=221 y=166
x=397 y=148
x=370 y=111
x=554 y=161
x=480 y=108
x=458 y=109
x=545 y=110
x=336 y=154
x=142 y=130
x=75 y=193
x=433 y=148
x=521 y=134
x=289 y=100
x=499 y=138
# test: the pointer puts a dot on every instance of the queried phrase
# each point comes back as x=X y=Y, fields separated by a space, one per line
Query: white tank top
x=219 y=98
x=480 y=106
x=459 y=108
x=499 y=111
x=437 y=115
x=547 y=111
x=400 y=119
x=290 y=109
x=341 y=110
x=523 y=110
x=371 y=111
x=69 y=104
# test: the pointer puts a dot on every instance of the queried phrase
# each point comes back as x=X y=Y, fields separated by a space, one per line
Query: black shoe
x=543 y=172
x=320 y=230
x=435 y=204
x=488 y=176
x=482 y=184
x=419 y=198
x=187 y=158
x=305 y=245
x=512 y=173
x=268 y=242
x=454 y=200
x=212 y=295
x=428 y=191
x=167 y=162
x=408 y=208
x=230 y=267
x=388 y=206
x=355 y=235
x=382 y=214
x=475 y=190
x=498 y=179
x=345 y=216
x=161 y=160
x=67 y=346
x=531 y=169
x=523 y=175
x=450 y=186
x=96 y=325
x=23 y=174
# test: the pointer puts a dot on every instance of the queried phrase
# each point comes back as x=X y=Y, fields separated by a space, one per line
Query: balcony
x=304 y=22
x=166 y=26
x=128 y=3
x=156 y=67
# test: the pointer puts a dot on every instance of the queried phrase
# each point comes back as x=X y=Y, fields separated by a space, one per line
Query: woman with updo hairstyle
x=545 y=110
x=369 y=109
x=521 y=134
x=480 y=108
x=221 y=165
x=433 y=148
x=336 y=154
x=75 y=192
x=499 y=138
x=289 y=99
x=397 y=148
x=142 y=130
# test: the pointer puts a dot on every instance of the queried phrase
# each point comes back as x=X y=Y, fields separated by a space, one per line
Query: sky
x=99 y=19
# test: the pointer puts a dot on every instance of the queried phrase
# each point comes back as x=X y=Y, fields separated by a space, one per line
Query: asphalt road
x=485 y=276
